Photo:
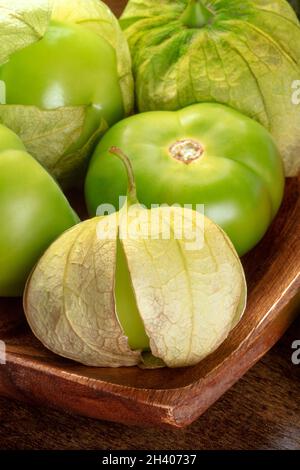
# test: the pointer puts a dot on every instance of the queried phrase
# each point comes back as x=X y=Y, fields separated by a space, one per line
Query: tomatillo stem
x=131 y=192
x=196 y=14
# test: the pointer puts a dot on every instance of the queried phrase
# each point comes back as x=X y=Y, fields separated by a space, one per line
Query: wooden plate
x=165 y=397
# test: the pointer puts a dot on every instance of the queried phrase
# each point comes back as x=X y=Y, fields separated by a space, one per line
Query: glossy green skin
x=9 y=140
x=33 y=213
x=239 y=177
x=69 y=66
x=126 y=306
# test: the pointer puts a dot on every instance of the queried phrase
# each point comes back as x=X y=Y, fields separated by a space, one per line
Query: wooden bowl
x=165 y=397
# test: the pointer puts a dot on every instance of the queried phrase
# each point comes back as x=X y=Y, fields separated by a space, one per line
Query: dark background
x=296 y=5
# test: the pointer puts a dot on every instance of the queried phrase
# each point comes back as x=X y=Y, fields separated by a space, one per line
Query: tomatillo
x=33 y=212
x=64 y=88
x=242 y=53
x=204 y=154
x=69 y=66
x=178 y=296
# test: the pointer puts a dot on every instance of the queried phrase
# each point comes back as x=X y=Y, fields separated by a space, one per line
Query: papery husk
x=50 y=135
x=188 y=299
x=69 y=301
x=23 y=22
x=247 y=57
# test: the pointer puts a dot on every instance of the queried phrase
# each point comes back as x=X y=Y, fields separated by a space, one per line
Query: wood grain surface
x=262 y=411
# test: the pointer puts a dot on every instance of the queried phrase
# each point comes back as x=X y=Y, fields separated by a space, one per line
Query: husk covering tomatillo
x=188 y=297
x=60 y=136
x=242 y=53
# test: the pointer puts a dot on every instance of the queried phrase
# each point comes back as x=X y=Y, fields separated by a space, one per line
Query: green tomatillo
x=33 y=212
x=66 y=82
x=204 y=154
x=160 y=287
x=242 y=53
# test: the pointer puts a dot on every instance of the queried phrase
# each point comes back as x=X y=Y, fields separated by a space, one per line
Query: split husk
x=189 y=296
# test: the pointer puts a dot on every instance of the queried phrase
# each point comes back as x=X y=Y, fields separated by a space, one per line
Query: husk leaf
x=50 y=134
x=22 y=22
x=69 y=300
x=189 y=300
x=252 y=46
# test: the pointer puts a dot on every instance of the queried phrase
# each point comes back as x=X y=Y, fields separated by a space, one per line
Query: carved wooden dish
x=165 y=397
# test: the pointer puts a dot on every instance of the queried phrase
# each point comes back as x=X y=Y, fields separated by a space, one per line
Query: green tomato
x=33 y=213
x=204 y=154
x=9 y=140
x=69 y=66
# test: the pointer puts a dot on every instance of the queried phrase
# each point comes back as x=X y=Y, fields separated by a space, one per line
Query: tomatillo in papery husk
x=133 y=288
x=65 y=77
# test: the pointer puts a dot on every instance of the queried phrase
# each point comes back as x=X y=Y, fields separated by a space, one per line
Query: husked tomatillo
x=161 y=287
x=241 y=53
x=65 y=75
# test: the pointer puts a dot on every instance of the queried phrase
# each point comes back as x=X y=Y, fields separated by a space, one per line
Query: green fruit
x=126 y=307
x=108 y=294
x=241 y=53
x=33 y=213
x=204 y=154
x=65 y=83
x=9 y=140
x=69 y=66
